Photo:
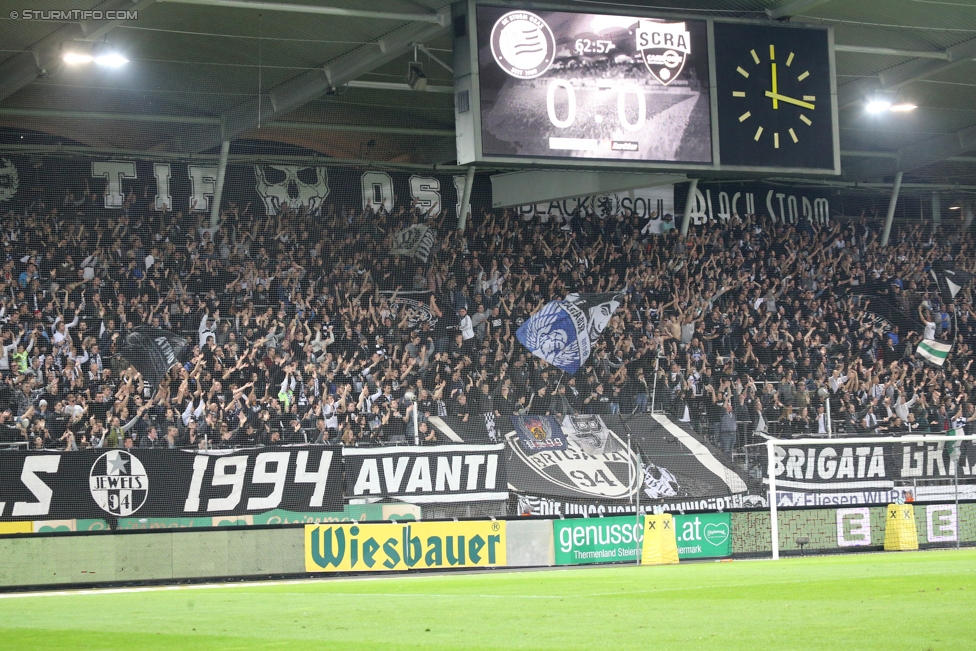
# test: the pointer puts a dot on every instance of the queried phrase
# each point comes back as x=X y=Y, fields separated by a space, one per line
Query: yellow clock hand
x=775 y=94
x=790 y=100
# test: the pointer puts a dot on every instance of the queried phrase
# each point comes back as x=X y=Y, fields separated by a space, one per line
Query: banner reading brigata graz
x=189 y=188
x=169 y=483
x=717 y=202
x=408 y=546
x=869 y=466
x=438 y=473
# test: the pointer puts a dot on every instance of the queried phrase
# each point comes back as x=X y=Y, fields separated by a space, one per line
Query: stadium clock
x=774 y=96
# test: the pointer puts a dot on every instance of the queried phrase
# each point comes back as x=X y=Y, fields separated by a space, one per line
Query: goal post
x=954 y=453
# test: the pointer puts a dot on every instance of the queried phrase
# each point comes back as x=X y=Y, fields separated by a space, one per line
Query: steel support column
x=219 y=189
x=689 y=206
x=891 y=209
x=466 y=199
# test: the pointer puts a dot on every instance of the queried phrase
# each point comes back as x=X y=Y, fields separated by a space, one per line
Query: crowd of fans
x=301 y=333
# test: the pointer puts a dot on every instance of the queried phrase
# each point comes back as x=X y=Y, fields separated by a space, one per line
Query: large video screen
x=575 y=85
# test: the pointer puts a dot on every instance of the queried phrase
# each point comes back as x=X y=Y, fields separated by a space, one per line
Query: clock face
x=773 y=86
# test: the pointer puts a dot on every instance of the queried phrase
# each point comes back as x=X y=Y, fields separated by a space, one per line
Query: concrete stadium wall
x=846 y=528
x=159 y=556
x=180 y=554
x=185 y=554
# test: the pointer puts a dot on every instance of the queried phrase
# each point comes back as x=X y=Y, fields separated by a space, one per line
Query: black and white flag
x=414 y=241
x=949 y=280
x=153 y=352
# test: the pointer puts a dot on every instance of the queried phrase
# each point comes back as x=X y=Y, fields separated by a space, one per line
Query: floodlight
x=878 y=106
x=76 y=58
x=111 y=60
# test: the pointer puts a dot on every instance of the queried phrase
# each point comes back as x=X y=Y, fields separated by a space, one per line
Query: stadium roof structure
x=328 y=76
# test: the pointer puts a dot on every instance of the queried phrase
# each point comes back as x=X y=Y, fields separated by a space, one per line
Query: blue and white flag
x=563 y=332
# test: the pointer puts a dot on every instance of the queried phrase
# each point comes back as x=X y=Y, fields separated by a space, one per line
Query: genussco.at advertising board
x=597 y=540
x=392 y=546
x=609 y=540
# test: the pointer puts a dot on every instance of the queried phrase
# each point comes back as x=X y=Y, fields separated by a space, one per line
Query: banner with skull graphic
x=292 y=187
x=267 y=188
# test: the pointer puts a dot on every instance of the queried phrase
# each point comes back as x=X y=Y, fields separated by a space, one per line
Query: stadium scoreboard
x=538 y=87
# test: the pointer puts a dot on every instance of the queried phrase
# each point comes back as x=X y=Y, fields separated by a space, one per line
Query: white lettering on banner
x=235 y=480
x=47 y=463
x=448 y=473
x=531 y=505
x=817 y=212
x=163 y=173
x=420 y=477
x=750 y=203
x=269 y=468
x=114 y=171
x=940 y=523
x=276 y=477
x=452 y=472
x=810 y=463
x=320 y=477
x=644 y=203
x=203 y=185
x=426 y=191
x=378 y=191
x=853 y=527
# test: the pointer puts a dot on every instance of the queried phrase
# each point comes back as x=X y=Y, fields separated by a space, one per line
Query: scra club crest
x=664 y=48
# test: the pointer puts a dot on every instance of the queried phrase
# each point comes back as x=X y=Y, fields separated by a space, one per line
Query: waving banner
x=153 y=352
x=414 y=242
x=563 y=332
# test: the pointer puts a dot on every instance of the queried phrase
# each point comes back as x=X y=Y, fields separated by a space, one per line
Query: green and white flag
x=954 y=448
x=933 y=352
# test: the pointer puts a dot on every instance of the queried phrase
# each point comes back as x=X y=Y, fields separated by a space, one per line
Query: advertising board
x=394 y=546
x=608 y=540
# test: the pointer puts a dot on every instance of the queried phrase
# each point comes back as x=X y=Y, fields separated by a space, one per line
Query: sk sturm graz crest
x=523 y=44
x=664 y=48
x=594 y=463
x=118 y=483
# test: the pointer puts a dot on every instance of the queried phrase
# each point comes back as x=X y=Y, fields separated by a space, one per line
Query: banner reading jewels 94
x=168 y=483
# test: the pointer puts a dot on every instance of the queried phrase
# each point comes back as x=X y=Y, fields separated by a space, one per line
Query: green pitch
x=892 y=601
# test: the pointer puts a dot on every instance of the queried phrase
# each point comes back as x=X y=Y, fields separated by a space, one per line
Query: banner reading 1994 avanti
x=409 y=546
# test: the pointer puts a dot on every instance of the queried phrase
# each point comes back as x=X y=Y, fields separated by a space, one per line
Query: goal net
x=827 y=494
